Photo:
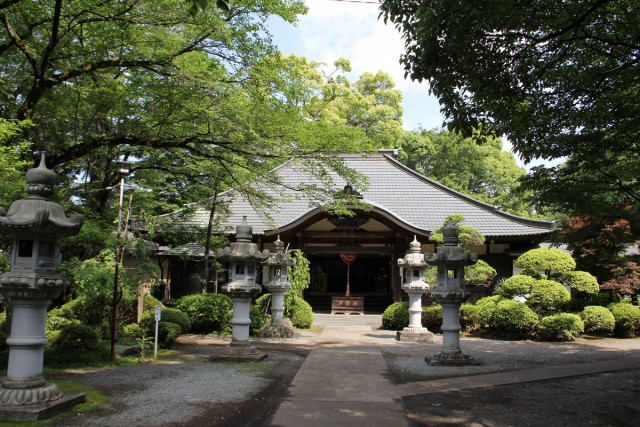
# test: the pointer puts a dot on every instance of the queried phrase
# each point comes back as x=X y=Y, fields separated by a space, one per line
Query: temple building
x=403 y=205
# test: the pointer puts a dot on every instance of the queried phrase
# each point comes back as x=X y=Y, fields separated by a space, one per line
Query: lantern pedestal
x=415 y=332
x=278 y=327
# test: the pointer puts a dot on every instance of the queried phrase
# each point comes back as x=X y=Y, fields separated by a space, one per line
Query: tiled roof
x=413 y=199
x=190 y=249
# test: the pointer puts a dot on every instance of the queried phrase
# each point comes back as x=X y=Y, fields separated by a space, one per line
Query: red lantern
x=348 y=259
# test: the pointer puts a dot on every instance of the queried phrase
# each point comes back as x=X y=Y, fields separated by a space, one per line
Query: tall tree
x=479 y=169
x=559 y=79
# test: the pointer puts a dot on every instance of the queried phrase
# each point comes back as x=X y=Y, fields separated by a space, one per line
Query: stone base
x=236 y=353
x=283 y=330
x=451 y=359
x=42 y=411
x=415 y=335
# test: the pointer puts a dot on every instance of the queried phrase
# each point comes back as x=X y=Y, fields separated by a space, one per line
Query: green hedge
x=432 y=317
x=258 y=319
x=514 y=316
x=469 y=316
x=486 y=307
x=561 y=327
x=169 y=315
x=207 y=312
x=396 y=316
x=548 y=294
x=301 y=314
x=627 y=318
x=598 y=320
x=77 y=336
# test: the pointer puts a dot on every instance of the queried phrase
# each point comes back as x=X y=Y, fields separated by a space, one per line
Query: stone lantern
x=412 y=268
x=278 y=263
x=450 y=260
x=35 y=223
x=243 y=259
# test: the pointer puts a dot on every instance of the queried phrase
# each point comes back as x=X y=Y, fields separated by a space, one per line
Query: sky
x=351 y=29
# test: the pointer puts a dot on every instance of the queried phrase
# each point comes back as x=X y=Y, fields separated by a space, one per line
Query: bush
x=582 y=282
x=547 y=260
x=548 y=294
x=258 y=319
x=431 y=317
x=207 y=312
x=264 y=304
x=170 y=315
x=469 y=316
x=78 y=336
x=627 y=318
x=486 y=307
x=514 y=316
x=561 y=326
x=517 y=286
x=168 y=333
x=301 y=314
x=132 y=332
x=598 y=320
x=150 y=303
x=396 y=316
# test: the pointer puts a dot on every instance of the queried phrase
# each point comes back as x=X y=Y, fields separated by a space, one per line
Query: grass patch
x=248 y=367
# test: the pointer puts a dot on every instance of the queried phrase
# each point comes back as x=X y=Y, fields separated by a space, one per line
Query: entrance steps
x=374 y=304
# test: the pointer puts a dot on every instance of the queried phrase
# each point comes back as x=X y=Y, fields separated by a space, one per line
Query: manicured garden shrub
x=150 y=303
x=207 y=312
x=561 y=327
x=547 y=295
x=396 y=316
x=431 y=317
x=301 y=314
x=78 y=336
x=513 y=316
x=627 y=319
x=582 y=282
x=469 y=316
x=550 y=261
x=258 y=319
x=168 y=333
x=517 y=286
x=486 y=307
x=598 y=320
x=171 y=315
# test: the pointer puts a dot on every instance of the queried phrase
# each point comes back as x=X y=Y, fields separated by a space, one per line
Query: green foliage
x=169 y=315
x=486 y=308
x=301 y=314
x=168 y=333
x=514 y=316
x=482 y=171
x=469 y=316
x=431 y=317
x=466 y=235
x=207 y=312
x=561 y=327
x=132 y=332
x=479 y=274
x=598 y=320
x=263 y=302
x=548 y=295
x=77 y=336
x=583 y=282
x=627 y=320
x=396 y=316
x=550 y=261
x=150 y=303
x=258 y=320
x=519 y=285
x=299 y=277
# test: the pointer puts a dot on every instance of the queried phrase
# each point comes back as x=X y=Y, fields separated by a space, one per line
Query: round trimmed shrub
x=548 y=294
x=150 y=303
x=627 y=318
x=132 y=332
x=468 y=316
x=431 y=317
x=169 y=315
x=546 y=260
x=207 y=312
x=583 y=282
x=486 y=307
x=301 y=314
x=561 y=327
x=78 y=336
x=517 y=286
x=598 y=320
x=514 y=316
x=258 y=319
x=396 y=316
